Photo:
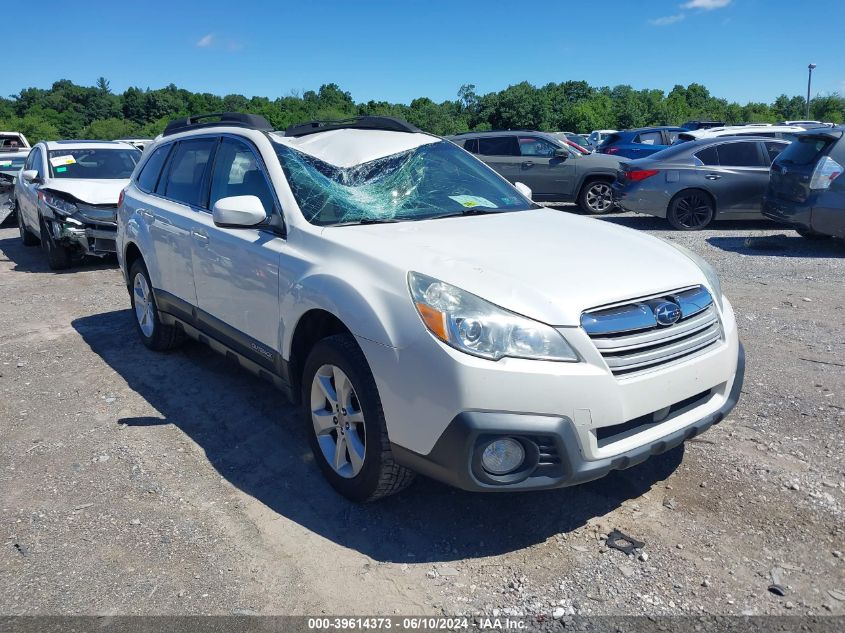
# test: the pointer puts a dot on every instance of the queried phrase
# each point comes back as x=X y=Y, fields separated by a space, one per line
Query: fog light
x=502 y=456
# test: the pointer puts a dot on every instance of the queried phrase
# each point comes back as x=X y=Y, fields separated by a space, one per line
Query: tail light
x=637 y=175
x=826 y=171
x=120 y=198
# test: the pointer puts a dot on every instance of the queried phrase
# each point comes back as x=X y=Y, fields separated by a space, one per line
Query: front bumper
x=90 y=238
x=560 y=462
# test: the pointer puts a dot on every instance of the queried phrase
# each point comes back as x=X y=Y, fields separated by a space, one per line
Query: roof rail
x=233 y=119
x=388 y=123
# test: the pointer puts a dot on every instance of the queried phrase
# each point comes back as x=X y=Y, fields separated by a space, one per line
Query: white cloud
x=707 y=5
x=206 y=40
x=666 y=20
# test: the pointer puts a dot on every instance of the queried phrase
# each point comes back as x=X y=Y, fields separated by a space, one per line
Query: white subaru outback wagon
x=429 y=317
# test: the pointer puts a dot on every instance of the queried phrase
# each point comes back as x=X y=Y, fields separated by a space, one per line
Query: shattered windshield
x=433 y=180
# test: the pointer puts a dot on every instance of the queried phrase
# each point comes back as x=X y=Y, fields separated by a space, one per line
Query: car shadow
x=31 y=259
x=781 y=245
x=256 y=440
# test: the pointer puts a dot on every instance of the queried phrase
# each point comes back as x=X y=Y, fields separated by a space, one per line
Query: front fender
x=382 y=315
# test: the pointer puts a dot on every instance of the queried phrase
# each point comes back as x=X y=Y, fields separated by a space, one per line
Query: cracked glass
x=433 y=180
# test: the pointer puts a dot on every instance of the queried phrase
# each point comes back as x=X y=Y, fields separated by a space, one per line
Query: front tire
x=691 y=210
x=345 y=422
x=154 y=334
x=27 y=237
x=596 y=197
x=58 y=256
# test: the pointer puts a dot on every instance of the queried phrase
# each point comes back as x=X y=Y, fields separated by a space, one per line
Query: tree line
x=67 y=110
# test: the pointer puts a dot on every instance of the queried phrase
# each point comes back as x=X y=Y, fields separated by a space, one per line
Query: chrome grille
x=630 y=339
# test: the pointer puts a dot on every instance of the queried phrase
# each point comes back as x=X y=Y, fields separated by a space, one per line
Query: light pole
x=809 y=81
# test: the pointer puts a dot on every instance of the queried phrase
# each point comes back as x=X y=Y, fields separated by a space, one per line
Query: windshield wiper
x=366 y=221
x=468 y=211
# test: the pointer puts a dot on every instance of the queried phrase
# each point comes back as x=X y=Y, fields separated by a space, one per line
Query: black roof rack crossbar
x=388 y=123
x=233 y=119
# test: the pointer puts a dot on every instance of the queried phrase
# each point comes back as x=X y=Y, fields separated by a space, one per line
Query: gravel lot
x=138 y=483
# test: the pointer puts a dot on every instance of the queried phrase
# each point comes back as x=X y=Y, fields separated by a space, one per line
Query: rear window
x=498 y=146
x=649 y=138
x=708 y=156
x=805 y=151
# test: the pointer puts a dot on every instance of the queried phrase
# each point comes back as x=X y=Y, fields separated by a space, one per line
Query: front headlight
x=57 y=204
x=475 y=326
x=708 y=270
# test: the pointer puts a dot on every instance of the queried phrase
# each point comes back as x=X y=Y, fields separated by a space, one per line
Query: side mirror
x=30 y=175
x=238 y=212
x=524 y=189
x=560 y=152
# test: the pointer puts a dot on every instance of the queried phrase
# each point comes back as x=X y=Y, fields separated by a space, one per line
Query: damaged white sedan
x=66 y=197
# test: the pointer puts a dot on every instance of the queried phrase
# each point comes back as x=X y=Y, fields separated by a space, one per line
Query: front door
x=237 y=270
x=550 y=177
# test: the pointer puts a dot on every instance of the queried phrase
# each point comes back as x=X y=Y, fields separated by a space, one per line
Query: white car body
x=551 y=267
x=596 y=137
x=90 y=229
x=137 y=143
x=763 y=130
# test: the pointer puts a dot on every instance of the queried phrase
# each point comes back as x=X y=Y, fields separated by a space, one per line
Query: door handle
x=199 y=237
x=712 y=176
x=147 y=215
x=528 y=163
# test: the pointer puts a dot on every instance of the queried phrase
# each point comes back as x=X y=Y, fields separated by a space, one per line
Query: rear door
x=740 y=179
x=548 y=175
x=172 y=220
x=502 y=154
x=237 y=270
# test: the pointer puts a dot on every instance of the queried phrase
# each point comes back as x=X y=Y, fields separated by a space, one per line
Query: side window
x=471 y=145
x=30 y=159
x=498 y=146
x=649 y=138
x=148 y=177
x=673 y=135
x=708 y=156
x=773 y=149
x=185 y=177
x=533 y=146
x=237 y=173
x=741 y=154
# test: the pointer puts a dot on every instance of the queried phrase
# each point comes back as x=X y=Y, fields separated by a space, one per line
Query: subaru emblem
x=667 y=313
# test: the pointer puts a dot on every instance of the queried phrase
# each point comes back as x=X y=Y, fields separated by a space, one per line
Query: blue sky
x=743 y=50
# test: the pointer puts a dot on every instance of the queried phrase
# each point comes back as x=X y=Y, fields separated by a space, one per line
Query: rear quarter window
x=151 y=170
x=708 y=156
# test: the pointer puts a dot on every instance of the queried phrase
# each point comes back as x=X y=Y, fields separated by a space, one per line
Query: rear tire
x=810 y=234
x=58 y=256
x=342 y=413
x=691 y=210
x=154 y=334
x=27 y=237
x=596 y=197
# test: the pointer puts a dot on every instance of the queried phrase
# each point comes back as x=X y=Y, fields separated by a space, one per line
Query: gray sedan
x=694 y=183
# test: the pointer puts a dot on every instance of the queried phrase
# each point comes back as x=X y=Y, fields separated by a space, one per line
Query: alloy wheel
x=599 y=197
x=338 y=421
x=693 y=211
x=143 y=305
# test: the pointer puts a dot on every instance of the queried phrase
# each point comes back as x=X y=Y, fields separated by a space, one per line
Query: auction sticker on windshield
x=473 y=201
x=58 y=161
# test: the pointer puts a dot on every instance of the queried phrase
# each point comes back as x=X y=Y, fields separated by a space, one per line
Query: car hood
x=599 y=160
x=88 y=190
x=545 y=264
